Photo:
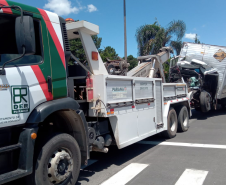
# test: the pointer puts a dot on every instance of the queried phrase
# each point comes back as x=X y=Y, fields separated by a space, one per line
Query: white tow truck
x=54 y=114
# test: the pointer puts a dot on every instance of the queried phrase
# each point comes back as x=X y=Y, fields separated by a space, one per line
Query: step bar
x=25 y=164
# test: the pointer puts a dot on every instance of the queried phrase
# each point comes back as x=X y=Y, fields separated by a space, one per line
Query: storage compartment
x=119 y=91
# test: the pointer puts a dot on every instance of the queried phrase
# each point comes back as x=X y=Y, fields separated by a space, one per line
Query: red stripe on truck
x=42 y=82
x=5 y=10
x=53 y=35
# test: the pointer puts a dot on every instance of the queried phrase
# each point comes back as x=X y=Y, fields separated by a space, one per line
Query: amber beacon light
x=68 y=20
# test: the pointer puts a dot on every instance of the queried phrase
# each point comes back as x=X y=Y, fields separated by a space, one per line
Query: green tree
x=77 y=48
x=176 y=45
x=132 y=61
x=166 y=70
x=108 y=52
x=150 y=38
x=197 y=41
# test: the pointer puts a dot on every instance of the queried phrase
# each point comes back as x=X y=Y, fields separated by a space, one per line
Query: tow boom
x=151 y=65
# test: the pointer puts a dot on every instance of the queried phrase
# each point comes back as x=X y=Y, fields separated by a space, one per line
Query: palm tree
x=176 y=45
x=151 y=38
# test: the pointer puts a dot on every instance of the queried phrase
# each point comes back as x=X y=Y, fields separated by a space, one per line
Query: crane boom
x=151 y=65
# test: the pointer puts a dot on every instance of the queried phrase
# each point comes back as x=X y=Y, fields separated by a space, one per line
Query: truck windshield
x=8 y=46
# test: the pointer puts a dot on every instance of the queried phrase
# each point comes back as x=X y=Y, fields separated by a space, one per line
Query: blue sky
x=203 y=17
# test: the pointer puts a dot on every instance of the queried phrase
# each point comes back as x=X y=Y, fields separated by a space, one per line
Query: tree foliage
x=166 y=70
x=77 y=48
x=132 y=61
x=108 y=52
x=150 y=38
x=176 y=45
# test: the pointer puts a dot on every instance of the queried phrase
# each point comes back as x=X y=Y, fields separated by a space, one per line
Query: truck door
x=55 y=30
x=24 y=85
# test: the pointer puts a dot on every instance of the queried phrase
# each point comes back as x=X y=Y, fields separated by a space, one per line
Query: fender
x=42 y=111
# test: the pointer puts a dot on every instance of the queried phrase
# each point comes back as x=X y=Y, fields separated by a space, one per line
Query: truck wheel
x=205 y=101
x=171 y=124
x=58 y=162
x=183 y=119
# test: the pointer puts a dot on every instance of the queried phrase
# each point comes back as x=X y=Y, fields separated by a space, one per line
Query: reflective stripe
x=54 y=35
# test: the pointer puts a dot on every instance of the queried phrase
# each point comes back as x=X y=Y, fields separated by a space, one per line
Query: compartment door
x=158 y=103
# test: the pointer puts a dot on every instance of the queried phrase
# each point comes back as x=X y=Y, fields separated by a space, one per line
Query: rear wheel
x=58 y=162
x=171 y=124
x=183 y=119
x=205 y=101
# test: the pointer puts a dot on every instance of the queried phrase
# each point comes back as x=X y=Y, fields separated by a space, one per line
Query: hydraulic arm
x=151 y=65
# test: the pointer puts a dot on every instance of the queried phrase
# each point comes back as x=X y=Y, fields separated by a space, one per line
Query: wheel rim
x=172 y=122
x=185 y=118
x=60 y=166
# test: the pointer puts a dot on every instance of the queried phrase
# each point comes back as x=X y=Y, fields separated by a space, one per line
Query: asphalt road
x=195 y=157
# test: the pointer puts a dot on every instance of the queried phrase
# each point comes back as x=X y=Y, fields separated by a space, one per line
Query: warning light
x=94 y=55
x=69 y=20
x=33 y=136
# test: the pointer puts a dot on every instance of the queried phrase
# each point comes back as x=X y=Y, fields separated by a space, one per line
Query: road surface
x=195 y=157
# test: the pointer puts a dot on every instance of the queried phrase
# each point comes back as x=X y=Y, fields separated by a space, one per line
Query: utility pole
x=125 y=40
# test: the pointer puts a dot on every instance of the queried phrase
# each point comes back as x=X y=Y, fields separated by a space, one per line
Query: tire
x=49 y=163
x=183 y=119
x=111 y=69
x=205 y=101
x=171 y=125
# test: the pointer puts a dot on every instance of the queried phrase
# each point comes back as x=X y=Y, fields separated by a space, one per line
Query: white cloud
x=80 y=5
x=190 y=36
x=91 y=8
x=203 y=25
x=61 y=7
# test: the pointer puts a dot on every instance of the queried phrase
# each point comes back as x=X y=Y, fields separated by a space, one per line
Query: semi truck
x=203 y=68
x=53 y=115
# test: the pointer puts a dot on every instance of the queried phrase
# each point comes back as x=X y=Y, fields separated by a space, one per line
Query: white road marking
x=126 y=174
x=90 y=161
x=183 y=144
x=192 y=177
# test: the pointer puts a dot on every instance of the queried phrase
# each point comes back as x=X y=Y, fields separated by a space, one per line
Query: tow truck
x=53 y=115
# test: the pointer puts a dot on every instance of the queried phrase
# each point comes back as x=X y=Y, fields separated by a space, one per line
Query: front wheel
x=58 y=162
x=205 y=101
x=171 y=124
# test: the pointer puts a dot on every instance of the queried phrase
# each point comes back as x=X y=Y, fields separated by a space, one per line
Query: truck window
x=8 y=47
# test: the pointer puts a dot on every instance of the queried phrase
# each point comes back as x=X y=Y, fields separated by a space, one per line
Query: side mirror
x=25 y=35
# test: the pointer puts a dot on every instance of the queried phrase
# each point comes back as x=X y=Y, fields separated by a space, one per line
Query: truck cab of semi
x=202 y=67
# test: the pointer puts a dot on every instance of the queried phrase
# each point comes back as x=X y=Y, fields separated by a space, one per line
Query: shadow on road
x=205 y=115
x=113 y=157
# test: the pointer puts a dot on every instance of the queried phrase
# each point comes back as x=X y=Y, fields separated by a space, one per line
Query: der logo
x=20 y=99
